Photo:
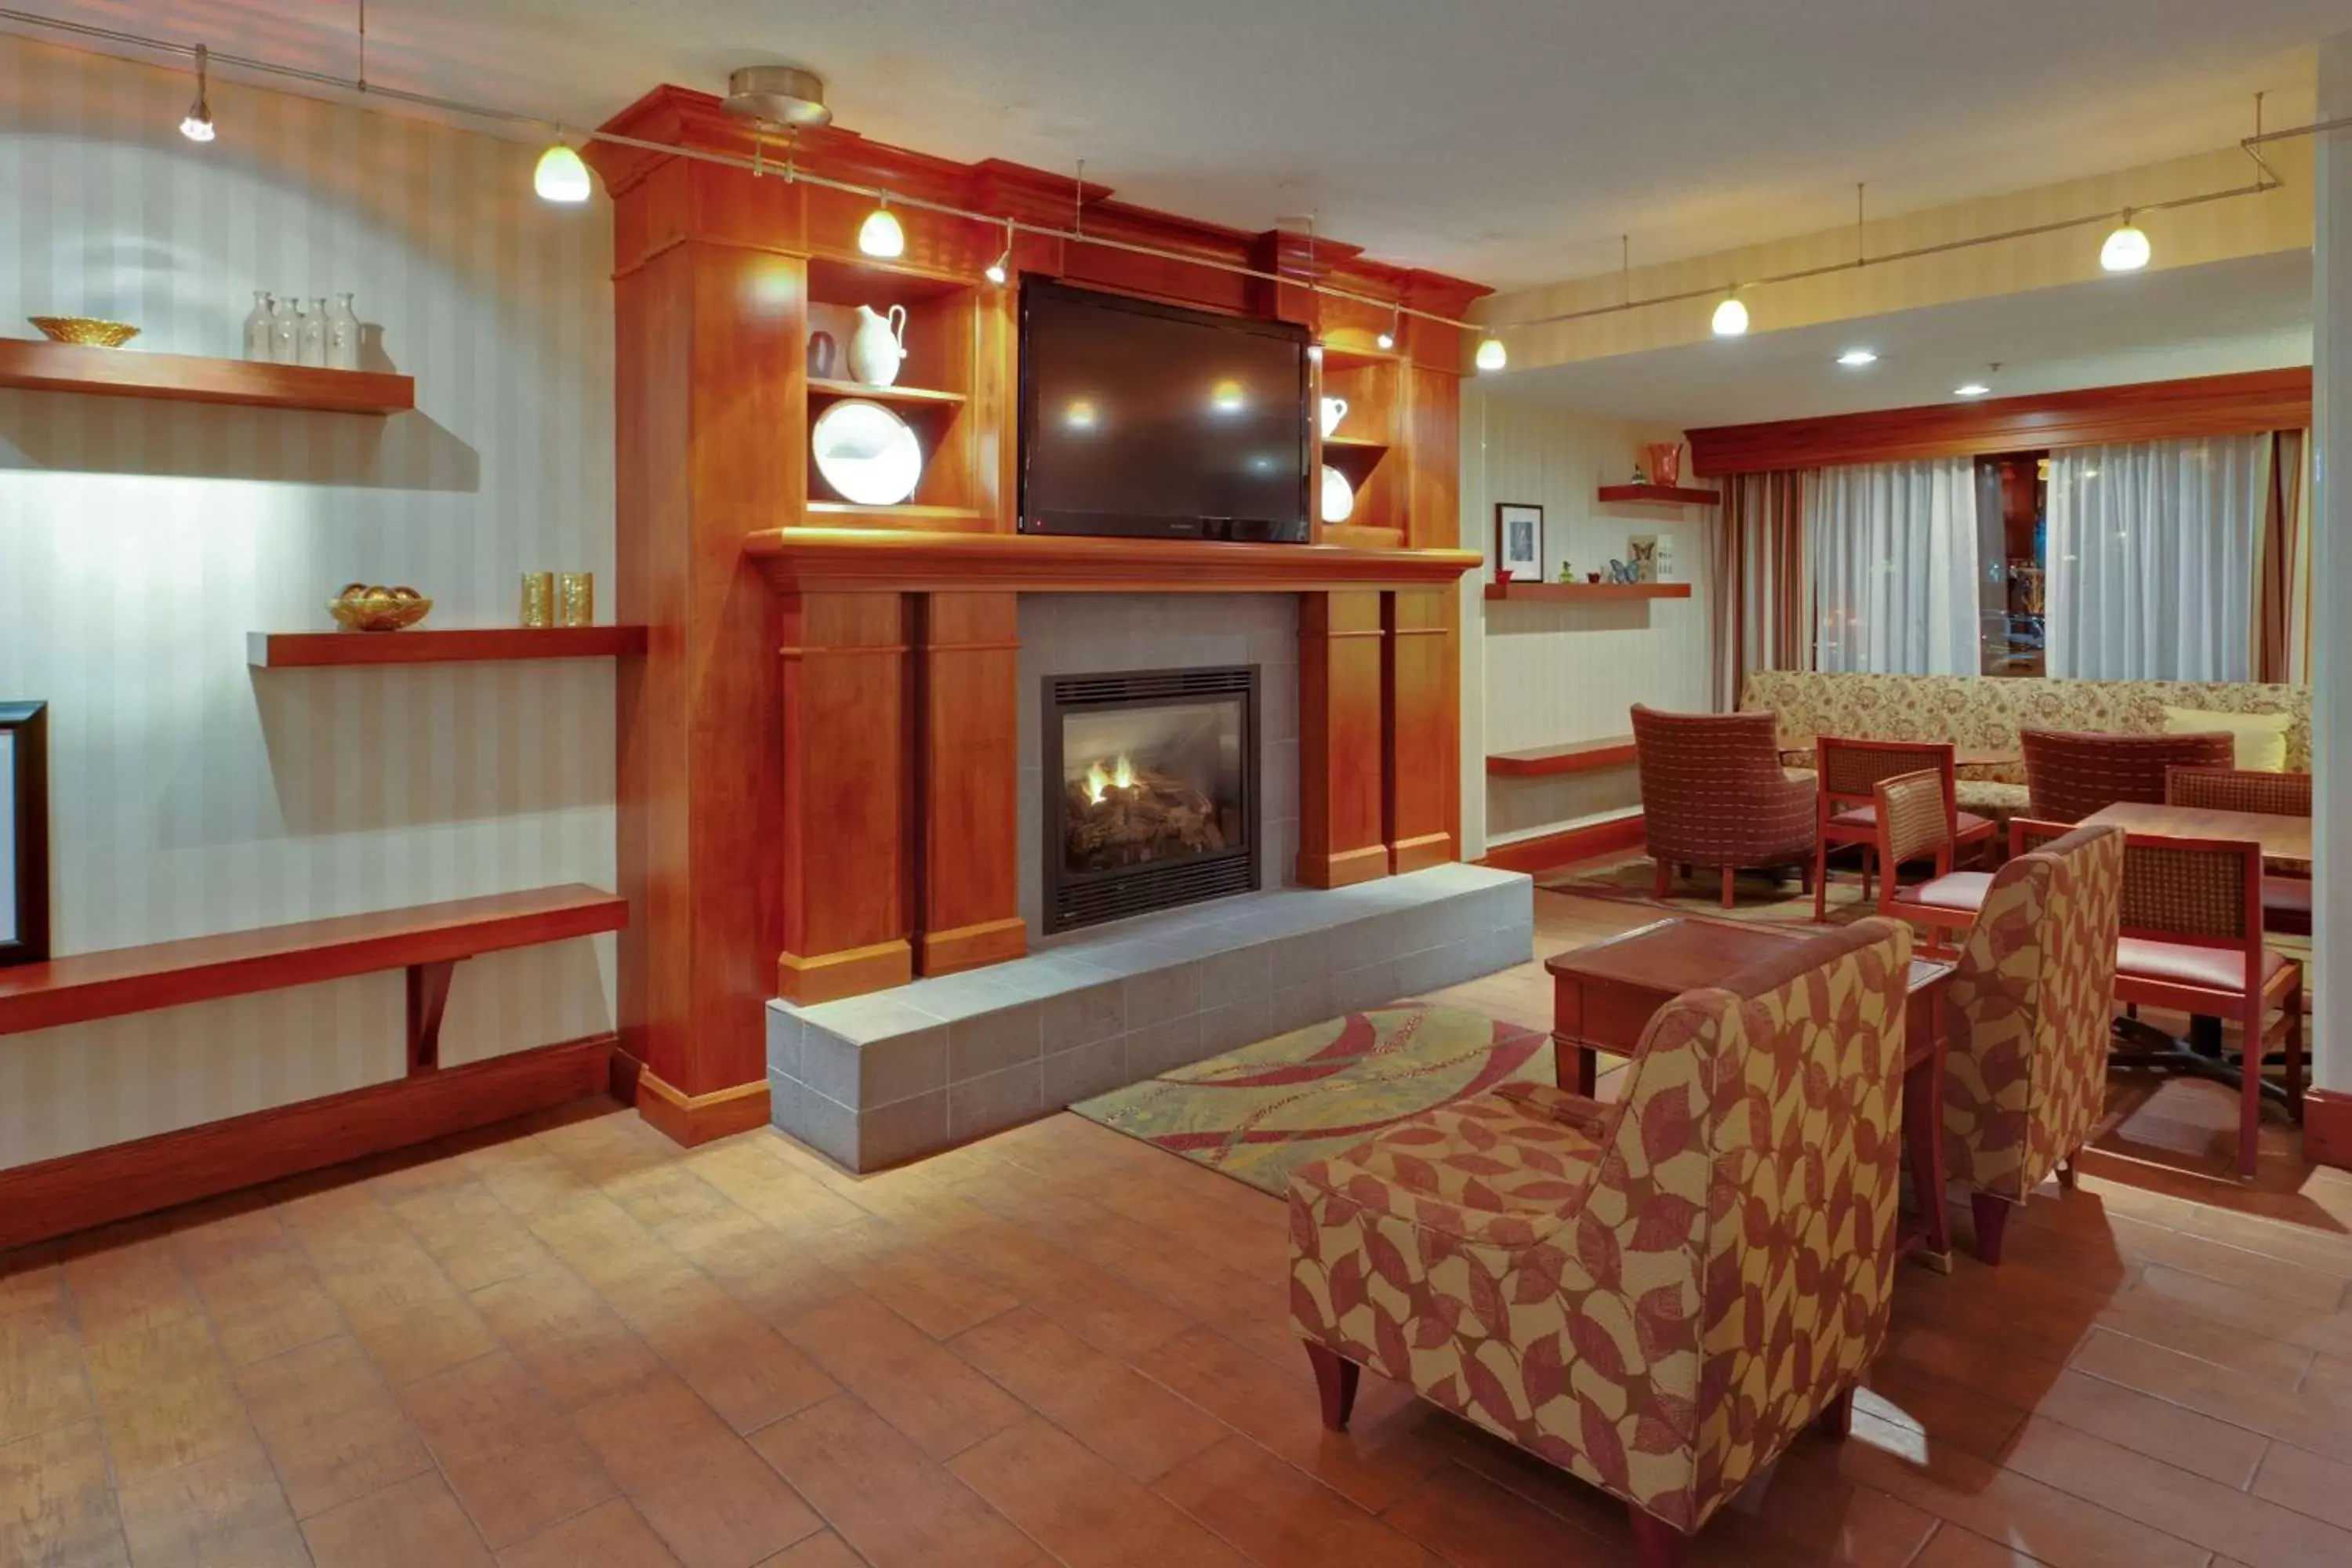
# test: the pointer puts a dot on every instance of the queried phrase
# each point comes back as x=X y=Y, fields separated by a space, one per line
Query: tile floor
x=569 y=1343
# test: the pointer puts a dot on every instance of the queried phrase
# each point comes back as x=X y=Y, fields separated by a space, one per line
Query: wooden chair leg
x=2250 y=1090
x=1662 y=882
x=1836 y=1419
x=2295 y=1049
x=1993 y=1218
x=1821 y=881
x=1656 y=1545
x=1729 y=877
x=2069 y=1175
x=1335 y=1380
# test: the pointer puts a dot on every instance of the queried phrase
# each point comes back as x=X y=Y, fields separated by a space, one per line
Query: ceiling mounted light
x=2126 y=249
x=1730 y=317
x=197 y=124
x=1491 y=354
x=778 y=95
x=561 y=176
x=881 y=235
x=1971 y=389
x=1855 y=359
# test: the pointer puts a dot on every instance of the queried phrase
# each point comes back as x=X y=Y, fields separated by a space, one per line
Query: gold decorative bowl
x=87 y=330
x=362 y=608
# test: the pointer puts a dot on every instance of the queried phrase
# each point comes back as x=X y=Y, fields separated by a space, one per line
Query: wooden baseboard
x=696 y=1119
x=972 y=946
x=1344 y=869
x=853 y=972
x=74 y=1192
x=1565 y=848
x=2327 y=1126
x=1420 y=854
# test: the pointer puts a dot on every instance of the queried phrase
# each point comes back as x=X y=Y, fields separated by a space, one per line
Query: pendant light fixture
x=197 y=125
x=1731 y=317
x=881 y=235
x=1491 y=354
x=1000 y=269
x=561 y=176
x=2126 y=249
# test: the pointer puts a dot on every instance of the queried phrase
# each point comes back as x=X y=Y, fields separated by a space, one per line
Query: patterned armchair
x=1713 y=795
x=2026 y=1077
x=2072 y=774
x=1656 y=1295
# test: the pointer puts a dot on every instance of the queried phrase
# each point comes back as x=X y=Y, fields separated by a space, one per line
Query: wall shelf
x=1576 y=757
x=824 y=389
x=39 y=366
x=1355 y=459
x=1587 y=592
x=1661 y=495
x=907 y=514
x=322 y=650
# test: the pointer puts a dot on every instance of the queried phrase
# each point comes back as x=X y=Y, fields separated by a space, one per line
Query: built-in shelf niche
x=1372 y=383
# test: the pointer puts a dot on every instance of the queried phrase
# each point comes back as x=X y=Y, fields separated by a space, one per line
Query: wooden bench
x=427 y=940
x=1576 y=757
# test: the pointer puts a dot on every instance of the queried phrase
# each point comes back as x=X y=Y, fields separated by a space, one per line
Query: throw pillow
x=2261 y=738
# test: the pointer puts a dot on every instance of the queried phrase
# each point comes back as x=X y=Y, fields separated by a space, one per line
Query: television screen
x=1148 y=419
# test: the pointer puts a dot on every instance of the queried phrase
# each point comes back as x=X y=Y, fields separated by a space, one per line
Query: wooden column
x=1421 y=742
x=845 y=771
x=1340 y=816
x=968 y=775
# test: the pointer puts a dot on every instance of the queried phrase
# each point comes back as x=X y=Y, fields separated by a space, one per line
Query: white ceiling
x=1508 y=140
x=2248 y=314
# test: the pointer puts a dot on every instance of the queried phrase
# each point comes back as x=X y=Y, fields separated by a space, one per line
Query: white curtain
x=2151 y=558
x=1892 y=549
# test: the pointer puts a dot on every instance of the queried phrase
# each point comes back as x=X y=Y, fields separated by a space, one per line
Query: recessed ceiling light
x=1971 y=389
x=1855 y=358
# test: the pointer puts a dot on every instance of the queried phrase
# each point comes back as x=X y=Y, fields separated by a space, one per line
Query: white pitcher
x=878 y=345
x=1334 y=410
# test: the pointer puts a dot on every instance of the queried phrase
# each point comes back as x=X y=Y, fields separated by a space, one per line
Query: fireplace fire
x=1151 y=791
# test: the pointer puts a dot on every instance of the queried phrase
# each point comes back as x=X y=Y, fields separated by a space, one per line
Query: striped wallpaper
x=1543 y=675
x=140 y=542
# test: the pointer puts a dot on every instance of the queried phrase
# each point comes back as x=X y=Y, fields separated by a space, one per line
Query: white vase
x=878 y=345
x=344 y=335
x=256 y=327
x=311 y=341
x=285 y=333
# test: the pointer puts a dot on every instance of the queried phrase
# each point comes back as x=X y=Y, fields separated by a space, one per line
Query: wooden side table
x=1604 y=995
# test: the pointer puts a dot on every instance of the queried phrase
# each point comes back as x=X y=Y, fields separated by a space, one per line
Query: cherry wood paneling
x=1567 y=847
x=2327 y=1126
x=1577 y=757
x=1586 y=593
x=694 y=1119
x=800 y=559
x=1422 y=726
x=39 y=366
x=843 y=850
x=967 y=779
x=1433 y=458
x=1341 y=738
x=55 y=1196
x=202 y=969
x=2154 y=411
x=319 y=650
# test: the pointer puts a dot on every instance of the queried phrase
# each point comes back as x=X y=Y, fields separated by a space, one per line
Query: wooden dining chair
x=2286 y=894
x=1911 y=819
x=1847 y=772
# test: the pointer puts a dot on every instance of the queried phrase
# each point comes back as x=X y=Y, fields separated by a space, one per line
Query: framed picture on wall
x=1519 y=542
x=24 y=833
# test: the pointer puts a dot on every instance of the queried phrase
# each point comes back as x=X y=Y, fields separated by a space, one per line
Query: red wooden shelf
x=1576 y=757
x=207 y=968
x=1664 y=495
x=38 y=366
x=1573 y=593
x=319 y=650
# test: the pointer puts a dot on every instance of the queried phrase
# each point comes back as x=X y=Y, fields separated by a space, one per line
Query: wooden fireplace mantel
x=808 y=560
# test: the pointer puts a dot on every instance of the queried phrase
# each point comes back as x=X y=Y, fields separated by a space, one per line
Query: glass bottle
x=313 y=334
x=344 y=335
x=256 y=327
x=284 y=333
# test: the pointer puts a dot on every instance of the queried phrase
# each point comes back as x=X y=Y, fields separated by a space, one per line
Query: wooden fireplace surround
x=816 y=672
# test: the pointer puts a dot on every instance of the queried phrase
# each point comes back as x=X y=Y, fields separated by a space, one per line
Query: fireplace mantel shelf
x=851 y=559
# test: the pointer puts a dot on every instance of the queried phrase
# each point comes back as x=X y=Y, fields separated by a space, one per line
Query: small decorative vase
x=310 y=338
x=344 y=335
x=879 y=346
x=539 y=598
x=256 y=327
x=1665 y=462
x=575 y=599
x=823 y=355
x=285 y=333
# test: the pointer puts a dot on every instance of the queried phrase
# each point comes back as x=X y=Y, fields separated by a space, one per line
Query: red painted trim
x=1554 y=850
x=2327 y=1126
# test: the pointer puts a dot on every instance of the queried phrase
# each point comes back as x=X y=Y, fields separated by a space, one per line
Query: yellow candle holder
x=575 y=599
x=539 y=598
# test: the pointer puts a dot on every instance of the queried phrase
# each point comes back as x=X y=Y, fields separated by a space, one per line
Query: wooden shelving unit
x=950 y=342
x=824 y=389
x=470 y=645
x=39 y=366
x=1661 y=495
x=908 y=514
x=1586 y=593
x=1576 y=757
x=1354 y=458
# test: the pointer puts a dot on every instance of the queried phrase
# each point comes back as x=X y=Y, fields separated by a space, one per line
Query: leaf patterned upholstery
x=1656 y=1295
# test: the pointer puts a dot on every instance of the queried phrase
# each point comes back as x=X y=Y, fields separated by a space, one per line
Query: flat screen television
x=1153 y=421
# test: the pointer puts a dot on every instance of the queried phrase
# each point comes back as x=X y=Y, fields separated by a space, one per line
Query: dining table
x=2286 y=840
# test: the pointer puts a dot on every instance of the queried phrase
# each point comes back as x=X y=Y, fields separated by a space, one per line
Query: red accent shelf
x=1354 y=458
x=1661 y=495
x=321 y=650
x=38 y=366
x=1576 y=757
x=1574 y=593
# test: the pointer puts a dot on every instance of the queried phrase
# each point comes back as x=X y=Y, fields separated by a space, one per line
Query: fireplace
x=1152 y=795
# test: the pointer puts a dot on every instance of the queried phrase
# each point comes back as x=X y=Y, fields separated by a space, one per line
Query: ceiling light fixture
x=777 y=95
x=197 y=125
x=1387 y=338
x=2126 y=249
x=1491 y=354
x=1971 y=389
x=881 y=235
x=1000 y=269
x=1855 y=359
x=560 y=175
x=1731 y=317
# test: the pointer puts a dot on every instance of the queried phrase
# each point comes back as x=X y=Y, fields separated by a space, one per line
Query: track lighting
x=197 y=125
x=1855 y=358
x=881 y=235
x=1730 y=317
x=2126 y=249
x=1492 y=355
x=561 y=176
x=1387 y=338
x=1001 y=268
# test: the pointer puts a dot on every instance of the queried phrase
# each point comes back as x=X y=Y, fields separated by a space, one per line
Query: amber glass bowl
x=87 y=330
x=361 y=608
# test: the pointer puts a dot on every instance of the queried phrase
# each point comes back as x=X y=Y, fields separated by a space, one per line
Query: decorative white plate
x=867 y=452
x=1339 y=495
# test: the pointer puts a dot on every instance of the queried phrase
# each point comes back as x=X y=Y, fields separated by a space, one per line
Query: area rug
x=1260 y=1113
x=1759 y=895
